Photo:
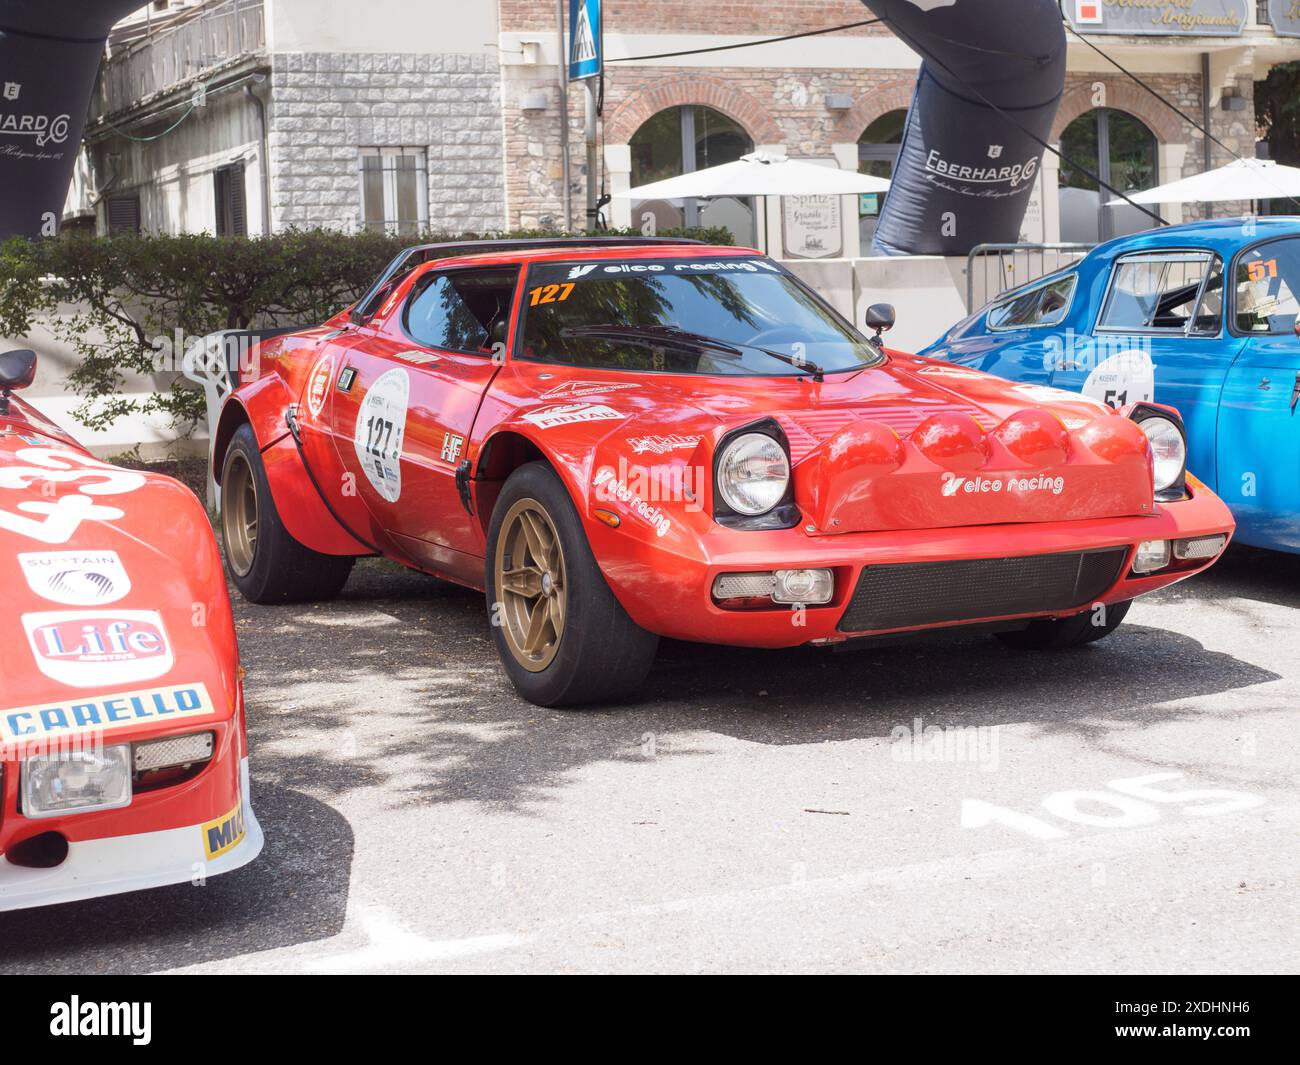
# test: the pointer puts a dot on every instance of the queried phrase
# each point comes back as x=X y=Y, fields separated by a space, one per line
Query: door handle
x=1265 y=385
x=1295 y=392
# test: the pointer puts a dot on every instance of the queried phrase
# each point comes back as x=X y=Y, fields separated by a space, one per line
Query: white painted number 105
x=1130 y=803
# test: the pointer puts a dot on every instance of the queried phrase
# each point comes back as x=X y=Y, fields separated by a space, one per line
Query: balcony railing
x=215 y=35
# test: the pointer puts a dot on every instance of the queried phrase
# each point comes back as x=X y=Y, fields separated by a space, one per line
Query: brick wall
x=699 y=16
x=326 y=106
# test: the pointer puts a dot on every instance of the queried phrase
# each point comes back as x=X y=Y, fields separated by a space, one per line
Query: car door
x=1259 y=421
x=406 y=400
x=1160 y=336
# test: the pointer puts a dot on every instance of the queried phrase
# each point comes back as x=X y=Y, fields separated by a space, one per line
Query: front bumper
x=676 y=601
x=116 y=864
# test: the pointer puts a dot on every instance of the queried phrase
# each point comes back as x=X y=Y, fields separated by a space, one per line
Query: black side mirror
x=880 y=317
x=17 y=370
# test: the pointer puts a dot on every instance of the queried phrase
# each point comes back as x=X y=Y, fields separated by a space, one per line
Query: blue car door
x=1160 y=336
x=1259 y=422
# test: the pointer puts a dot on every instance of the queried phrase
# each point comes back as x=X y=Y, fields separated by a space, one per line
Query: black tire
x=602 y=655
x=276 y=568
x=1051 y=635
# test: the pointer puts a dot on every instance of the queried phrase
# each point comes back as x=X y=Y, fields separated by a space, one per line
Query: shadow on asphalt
x=414 y=655
x=1250 y=573
x=295 y=892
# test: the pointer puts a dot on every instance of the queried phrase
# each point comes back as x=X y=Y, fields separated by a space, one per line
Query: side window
x=1167 y=292
x=462 y=310
x=1268 y=278
x=1042 y=306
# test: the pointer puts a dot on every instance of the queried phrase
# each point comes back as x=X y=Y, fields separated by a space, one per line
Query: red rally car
x=122 y=750
x=626 y=439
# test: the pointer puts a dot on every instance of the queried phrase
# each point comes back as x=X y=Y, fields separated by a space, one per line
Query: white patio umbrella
x=760 y=174
x=1246 y=179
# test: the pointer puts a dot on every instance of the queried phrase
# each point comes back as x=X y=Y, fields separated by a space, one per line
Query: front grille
x=914 y=594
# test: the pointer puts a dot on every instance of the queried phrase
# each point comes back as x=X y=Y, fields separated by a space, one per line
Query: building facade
x=254 y=115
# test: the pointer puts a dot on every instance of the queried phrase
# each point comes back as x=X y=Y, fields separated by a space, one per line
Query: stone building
x=244 y=115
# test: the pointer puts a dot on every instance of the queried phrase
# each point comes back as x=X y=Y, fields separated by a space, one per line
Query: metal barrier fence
x=992 y=269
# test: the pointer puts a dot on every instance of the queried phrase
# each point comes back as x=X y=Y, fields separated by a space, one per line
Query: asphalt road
x=1130 y=807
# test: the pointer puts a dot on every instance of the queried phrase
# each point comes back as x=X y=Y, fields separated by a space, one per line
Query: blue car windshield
x=725 y=316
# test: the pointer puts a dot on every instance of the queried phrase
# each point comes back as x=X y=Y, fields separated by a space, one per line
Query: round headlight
x=753 y=474
x=1168 y=451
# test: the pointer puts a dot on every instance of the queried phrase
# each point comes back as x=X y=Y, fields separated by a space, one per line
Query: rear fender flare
x=263 y=405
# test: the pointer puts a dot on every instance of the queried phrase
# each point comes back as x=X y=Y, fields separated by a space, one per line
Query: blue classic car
x=1143 y=318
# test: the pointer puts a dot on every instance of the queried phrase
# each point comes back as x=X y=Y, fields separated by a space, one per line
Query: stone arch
x=891 y=96
x=647 y=102
x=1120 y=96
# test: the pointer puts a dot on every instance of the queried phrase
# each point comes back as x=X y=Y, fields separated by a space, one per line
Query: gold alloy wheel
x=531 y=585
x=239 y=514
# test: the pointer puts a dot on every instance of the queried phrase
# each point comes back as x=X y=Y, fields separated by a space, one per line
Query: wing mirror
x=880 y=317
x=17 y=370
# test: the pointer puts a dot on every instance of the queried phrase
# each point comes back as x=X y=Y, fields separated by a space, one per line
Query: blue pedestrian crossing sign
x=586 y=52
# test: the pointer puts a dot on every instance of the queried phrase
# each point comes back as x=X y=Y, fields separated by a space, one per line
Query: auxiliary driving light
x=173 y=751
x=808 y=587
x=1199 y=548
x=1151 y=555
x=77 y=781
x=811 y=587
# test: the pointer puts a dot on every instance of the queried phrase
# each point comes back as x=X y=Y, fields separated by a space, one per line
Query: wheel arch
x=505 y=451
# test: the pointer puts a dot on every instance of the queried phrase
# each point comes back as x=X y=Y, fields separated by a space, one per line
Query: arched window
x=878 y=149
x=682 y=140
x=1121 y=150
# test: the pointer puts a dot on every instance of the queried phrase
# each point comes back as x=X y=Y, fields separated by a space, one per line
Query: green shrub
x=127 y=304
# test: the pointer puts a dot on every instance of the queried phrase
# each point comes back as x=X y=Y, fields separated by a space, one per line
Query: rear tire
x=266 y=563
x=1052 y=635
x=563 y=638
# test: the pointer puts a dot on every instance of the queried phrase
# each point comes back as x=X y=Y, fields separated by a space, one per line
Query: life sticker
x=1123 y=378
x=318 y=385
x=381 y=429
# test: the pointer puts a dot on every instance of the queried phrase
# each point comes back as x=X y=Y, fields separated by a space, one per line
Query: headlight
x=753 y=474
x=1168 y=450
x=77 y=782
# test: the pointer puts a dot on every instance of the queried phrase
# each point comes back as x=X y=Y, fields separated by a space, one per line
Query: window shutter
x=123 y=214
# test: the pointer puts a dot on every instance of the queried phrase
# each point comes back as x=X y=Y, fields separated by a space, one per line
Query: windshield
x=728 y=316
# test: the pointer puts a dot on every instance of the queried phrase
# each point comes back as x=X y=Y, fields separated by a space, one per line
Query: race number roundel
x=381 y=426
x=1123 y=378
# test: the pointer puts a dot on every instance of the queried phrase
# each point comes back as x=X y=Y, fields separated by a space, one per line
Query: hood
x=113 y=604
x=911 y=444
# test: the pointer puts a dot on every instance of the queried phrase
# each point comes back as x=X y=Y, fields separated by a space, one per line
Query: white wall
x=432 y=26
x=928 y=292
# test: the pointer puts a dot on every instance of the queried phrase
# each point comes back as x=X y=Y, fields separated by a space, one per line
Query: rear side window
x=1165 y=292
x=1042 y=306
x=1268 y=278
x=462 y=310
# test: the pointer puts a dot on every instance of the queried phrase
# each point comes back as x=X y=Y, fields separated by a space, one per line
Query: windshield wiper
x=670 y=334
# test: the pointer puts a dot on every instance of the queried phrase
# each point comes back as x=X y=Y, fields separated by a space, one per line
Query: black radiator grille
x=913 y=594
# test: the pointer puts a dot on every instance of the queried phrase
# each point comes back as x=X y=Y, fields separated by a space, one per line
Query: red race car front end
x=123 y=754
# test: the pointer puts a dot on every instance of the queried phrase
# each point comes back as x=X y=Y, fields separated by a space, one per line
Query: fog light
x=1199 y=548
x=173 y=751
x=1151 y=555
x=77 y=782
x=810 y=587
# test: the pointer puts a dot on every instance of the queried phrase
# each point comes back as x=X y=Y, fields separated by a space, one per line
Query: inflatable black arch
x=49 y=55
x=990 y=85
x=964 y=176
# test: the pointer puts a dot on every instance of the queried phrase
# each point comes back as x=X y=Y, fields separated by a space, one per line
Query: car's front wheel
x=563 y=637
x=1049 y=634
x=267 y=564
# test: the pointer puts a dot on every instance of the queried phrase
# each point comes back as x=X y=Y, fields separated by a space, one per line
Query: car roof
x=553 y=253
x=1220 y=234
